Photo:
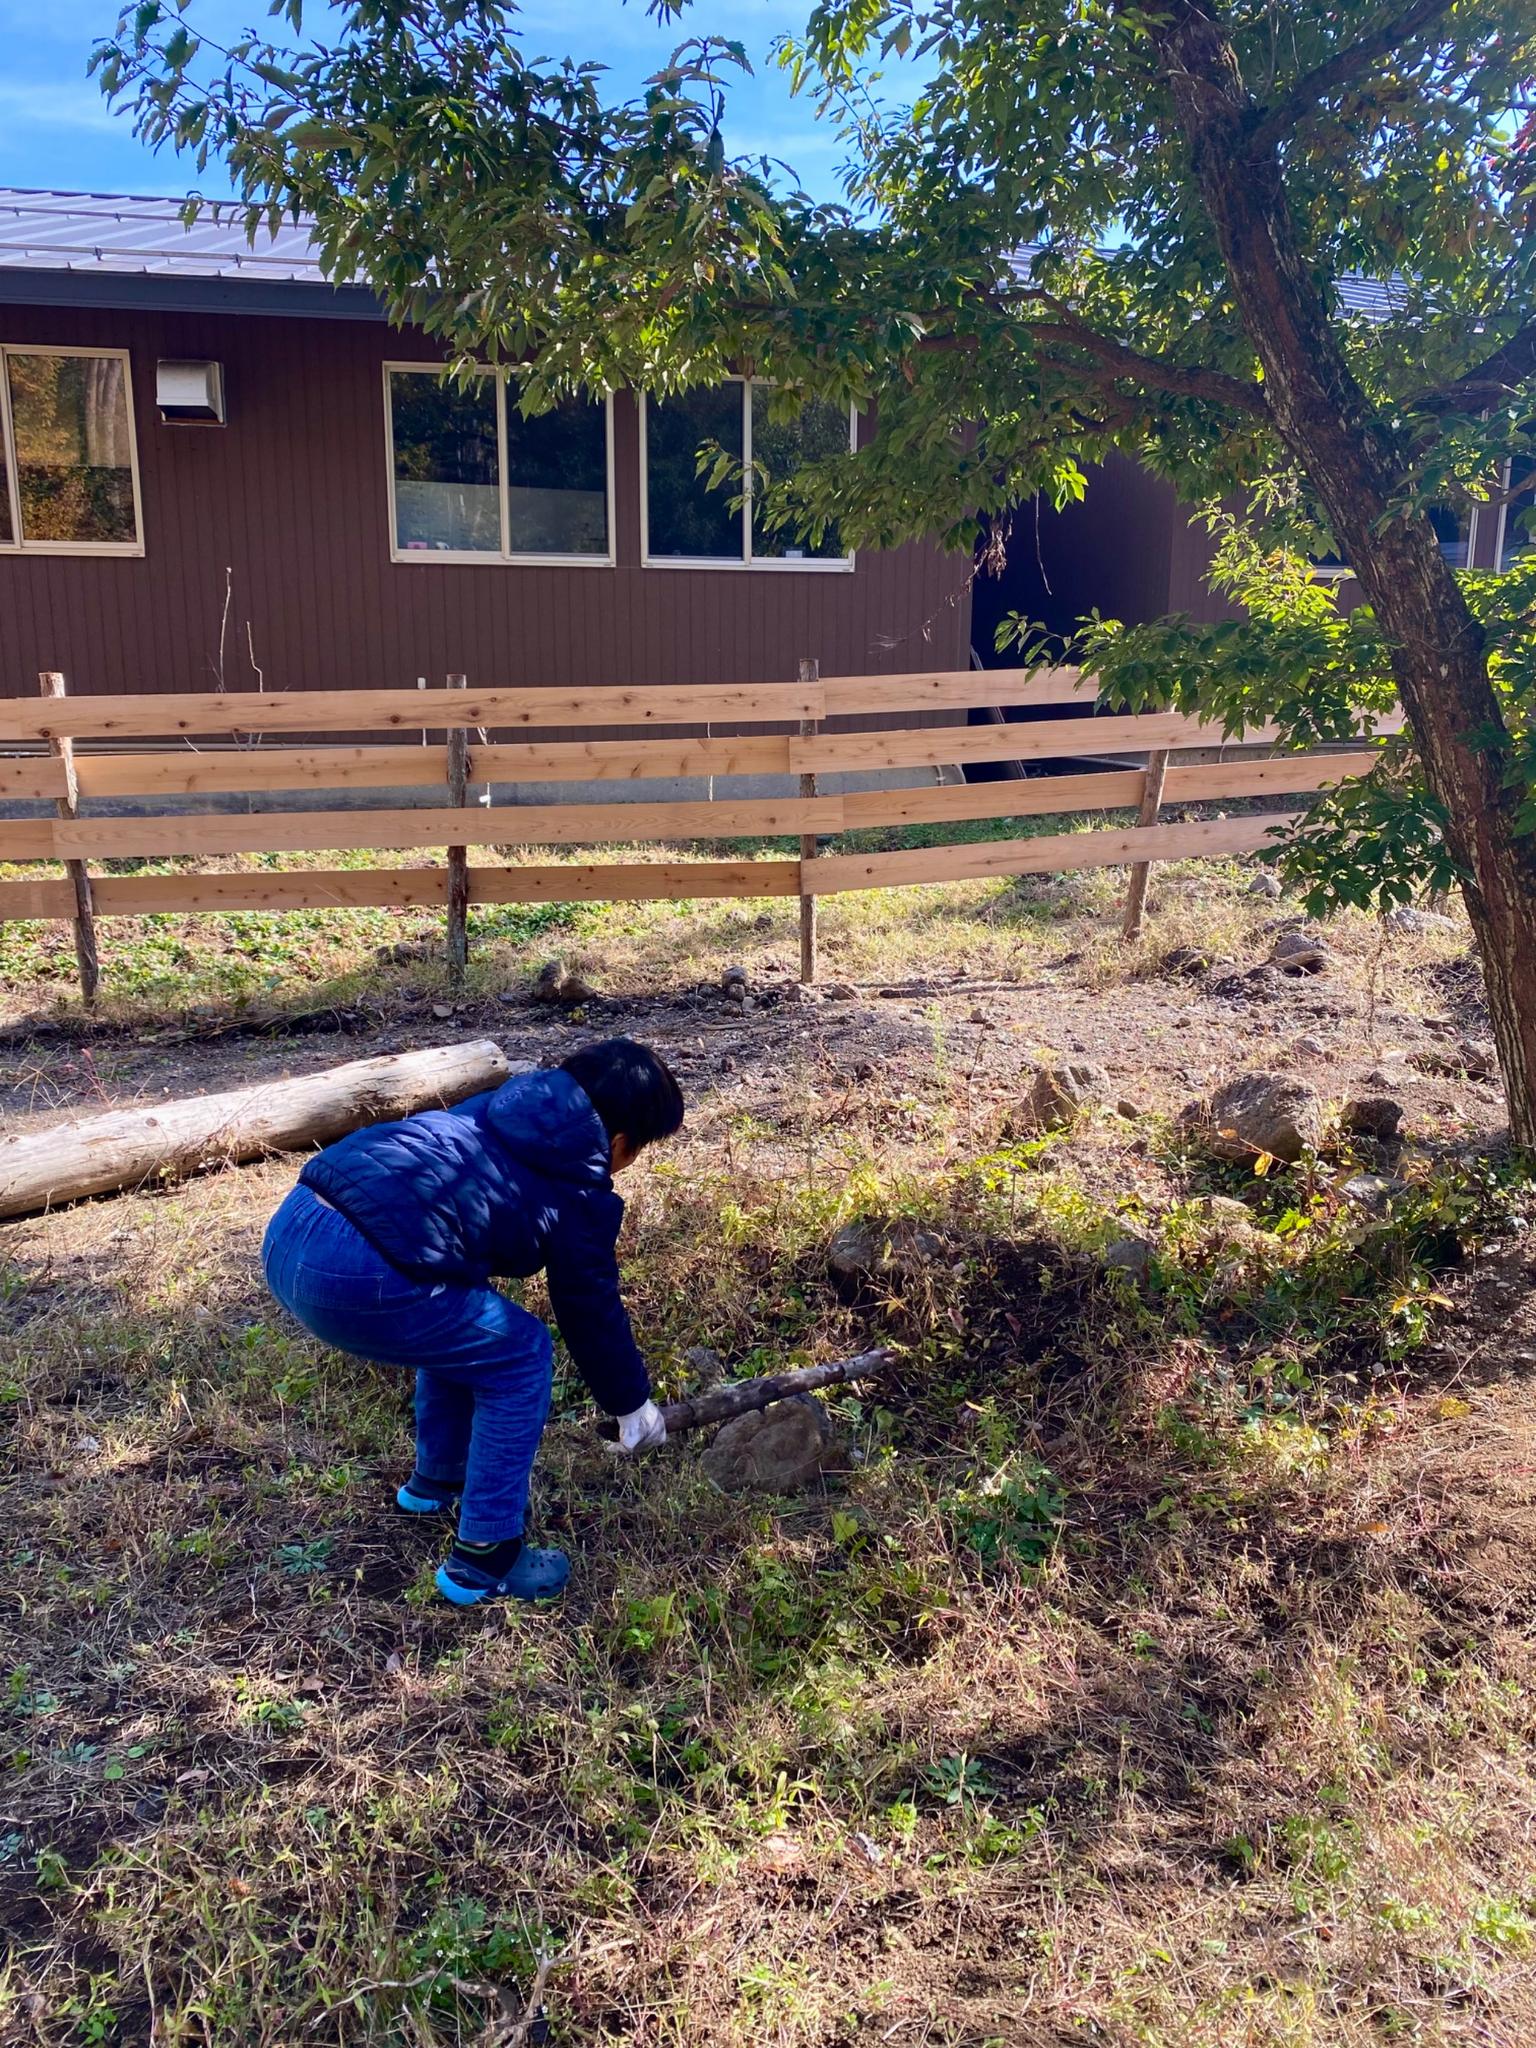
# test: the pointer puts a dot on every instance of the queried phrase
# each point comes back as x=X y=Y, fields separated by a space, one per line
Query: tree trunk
x=129 y=1147
x=1359 y=469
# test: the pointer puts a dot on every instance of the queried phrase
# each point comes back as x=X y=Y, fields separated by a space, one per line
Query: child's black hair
x=632 y=1089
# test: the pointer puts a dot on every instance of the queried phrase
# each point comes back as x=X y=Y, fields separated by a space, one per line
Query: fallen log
x=164 y=1141
x=740 y=1397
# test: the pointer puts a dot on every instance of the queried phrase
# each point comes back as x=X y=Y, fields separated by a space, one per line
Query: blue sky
x=57 y=131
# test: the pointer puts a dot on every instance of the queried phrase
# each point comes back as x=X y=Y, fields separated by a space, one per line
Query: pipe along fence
x=809 y=740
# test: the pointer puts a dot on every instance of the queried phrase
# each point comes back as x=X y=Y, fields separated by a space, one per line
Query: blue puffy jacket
x=504 y=1183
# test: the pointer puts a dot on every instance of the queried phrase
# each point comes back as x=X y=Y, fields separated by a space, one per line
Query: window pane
x=687 y=519
x=779 y=448
x=557 y=480
x=446 y=495
x=1453 y=530
x=74 y=471
x=1520 y=516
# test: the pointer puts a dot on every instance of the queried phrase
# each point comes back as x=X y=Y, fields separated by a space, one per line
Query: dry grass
x=1156 y=1669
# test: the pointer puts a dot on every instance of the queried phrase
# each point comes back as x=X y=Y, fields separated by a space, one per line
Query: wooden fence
x=219 y=746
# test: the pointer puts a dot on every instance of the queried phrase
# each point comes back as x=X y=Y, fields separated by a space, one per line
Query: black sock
x=495 y=1558
x=433 y=1489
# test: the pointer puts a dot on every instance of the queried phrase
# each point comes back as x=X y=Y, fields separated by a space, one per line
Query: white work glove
x=644 y=1430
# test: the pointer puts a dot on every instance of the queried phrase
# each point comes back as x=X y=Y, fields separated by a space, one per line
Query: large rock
x=1262 y=1113
x=1062 y=1091
x=779 y=1449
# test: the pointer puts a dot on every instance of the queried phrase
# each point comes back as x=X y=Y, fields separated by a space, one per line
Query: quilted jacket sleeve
x=582 y=1270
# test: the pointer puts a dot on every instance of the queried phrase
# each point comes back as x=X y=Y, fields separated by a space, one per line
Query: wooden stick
x=457 y=937
x=741 y=1397
x=167 y=1140
x=1141 y=873
x=51 y=684
x=810 y=672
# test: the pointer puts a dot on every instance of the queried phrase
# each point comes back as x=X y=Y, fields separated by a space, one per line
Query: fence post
x=810 y=672
x=457 y=941
x=51 y=684
x=1141 y=872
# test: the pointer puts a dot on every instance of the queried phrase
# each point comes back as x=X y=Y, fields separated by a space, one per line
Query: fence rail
x=72 y=771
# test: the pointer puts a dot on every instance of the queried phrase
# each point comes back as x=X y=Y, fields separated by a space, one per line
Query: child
x=386 y=1249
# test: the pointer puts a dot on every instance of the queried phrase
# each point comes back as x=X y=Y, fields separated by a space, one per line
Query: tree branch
x=1344 y=65
x=1156 y=373
x=1493 y=380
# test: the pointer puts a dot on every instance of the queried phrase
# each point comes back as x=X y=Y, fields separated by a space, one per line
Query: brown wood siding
x=1113 y=553
x=291 y=498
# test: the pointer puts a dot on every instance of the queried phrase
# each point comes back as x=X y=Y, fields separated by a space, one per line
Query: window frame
x=816 y=565
x=19 y=544
x=502 y=557
x=1500 y=532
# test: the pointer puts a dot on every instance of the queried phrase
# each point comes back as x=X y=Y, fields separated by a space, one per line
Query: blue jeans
x=482 y=1363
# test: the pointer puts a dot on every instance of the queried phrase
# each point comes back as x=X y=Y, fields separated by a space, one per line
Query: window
x=1517 y=515
x=471 y=480
x=68 y=471
x=1455 y=527
x=687 y=520
x=1453 y=530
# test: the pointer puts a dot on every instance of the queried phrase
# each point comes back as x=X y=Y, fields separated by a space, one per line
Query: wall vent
x=190 y=394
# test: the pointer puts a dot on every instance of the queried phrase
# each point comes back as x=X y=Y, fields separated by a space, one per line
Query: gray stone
x=1260 y=1113
x=1131 y=1111
x=1311 y=1048
x=1371 y=1116
x=872 y=1248
x=1401 y=1076
x=1407 y=918
x=1128 y=1255
x=840 y=992
x=1265 y=884
x=779 y=1449
x=1062 y=1091
x=1374 y=1192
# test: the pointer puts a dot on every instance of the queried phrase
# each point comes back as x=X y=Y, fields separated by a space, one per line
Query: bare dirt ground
x=1153 y=1664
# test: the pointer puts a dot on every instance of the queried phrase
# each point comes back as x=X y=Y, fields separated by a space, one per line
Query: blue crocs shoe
x=533 y=1575
x=421 y=1496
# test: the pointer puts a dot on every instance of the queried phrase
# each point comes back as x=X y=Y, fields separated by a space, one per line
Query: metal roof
x=101 y=231
x=112 y=249
x=1376 y=298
